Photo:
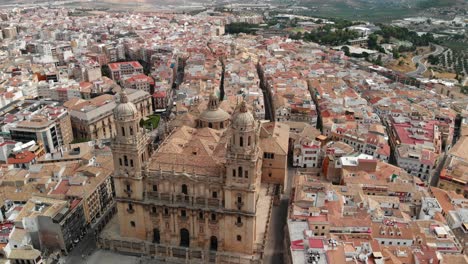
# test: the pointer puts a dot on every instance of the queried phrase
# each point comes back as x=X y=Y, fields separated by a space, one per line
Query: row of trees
x=388 y=32
x=241 y=27
x=454 y=61
x=327 y=35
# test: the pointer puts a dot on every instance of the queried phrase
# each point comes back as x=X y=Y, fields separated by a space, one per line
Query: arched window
x=213 y=243
x=200 y=215
x=246 y=174
x=131 y=163
x=125 y=160
x=239 y=198
x=239 y=220
x=123 y=131
x=213 y=217
x=156 y=236
x=120 y=161
x=131 y=131
x=233 y=172
x=210 y=125
x=241 y=141
x=184 y=189
x=221 y=125
x=239 y=170
x=249 y=141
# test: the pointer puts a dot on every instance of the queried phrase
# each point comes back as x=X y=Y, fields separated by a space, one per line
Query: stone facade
x=202 y=189
x=93 y=119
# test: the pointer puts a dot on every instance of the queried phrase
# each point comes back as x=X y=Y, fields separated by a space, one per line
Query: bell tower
x=243 y=175
x=129 y=150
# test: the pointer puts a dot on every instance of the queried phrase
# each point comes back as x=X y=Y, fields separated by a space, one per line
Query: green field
x=369 y=11
x=456 y=45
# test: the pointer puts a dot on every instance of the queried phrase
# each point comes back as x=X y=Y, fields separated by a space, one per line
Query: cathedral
x=206 y=186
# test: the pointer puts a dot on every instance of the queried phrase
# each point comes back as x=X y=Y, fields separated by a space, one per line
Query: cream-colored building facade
x=94 y=119
x=200 y=189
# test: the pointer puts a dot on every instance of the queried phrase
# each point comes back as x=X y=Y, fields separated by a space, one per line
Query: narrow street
x=275 y=248
x=84 y=248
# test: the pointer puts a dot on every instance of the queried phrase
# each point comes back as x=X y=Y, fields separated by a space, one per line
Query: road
x=274 y=249
x=85 y=247
x=419 y=61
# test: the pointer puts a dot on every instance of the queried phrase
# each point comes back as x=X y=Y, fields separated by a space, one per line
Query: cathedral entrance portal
x=213 y=243
x=184 y=238
x=156 y=236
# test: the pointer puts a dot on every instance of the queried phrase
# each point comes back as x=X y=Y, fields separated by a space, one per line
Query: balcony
x=213 y=202
x=185 y=200
x=165 y=197
x=153 y=195
x=181 y=198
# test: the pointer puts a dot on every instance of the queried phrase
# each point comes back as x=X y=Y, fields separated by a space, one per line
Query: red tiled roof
x=62 y=188
x=159 y=94
x=74 y=203
x=315 y=243
x=297 y=244
x=23 y=157
x=116 y=65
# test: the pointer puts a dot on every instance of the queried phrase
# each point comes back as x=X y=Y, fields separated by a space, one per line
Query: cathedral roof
x=125 y=109
x=243 y=119
x=213 y=113
x=192 y=150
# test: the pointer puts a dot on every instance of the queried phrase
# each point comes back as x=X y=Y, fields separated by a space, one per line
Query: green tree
x=105 y=71
x=346 y=50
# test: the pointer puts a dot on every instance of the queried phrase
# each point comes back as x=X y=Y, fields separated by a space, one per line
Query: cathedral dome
x=243 y=120
x=213 y=113
x=125 y=109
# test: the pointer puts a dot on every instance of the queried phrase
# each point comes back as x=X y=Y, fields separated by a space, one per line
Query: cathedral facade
x=204 y=187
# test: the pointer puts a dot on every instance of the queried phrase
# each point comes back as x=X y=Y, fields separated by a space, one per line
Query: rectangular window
x=268 y=155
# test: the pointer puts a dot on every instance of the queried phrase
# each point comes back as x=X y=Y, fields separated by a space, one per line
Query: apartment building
x=138 y=82
x=417 y=145
x=454 y=174
x=120 y=69
x=40 y=121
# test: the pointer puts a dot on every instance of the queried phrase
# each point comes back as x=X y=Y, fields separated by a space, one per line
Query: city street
x=274 y=250
x=85 y=247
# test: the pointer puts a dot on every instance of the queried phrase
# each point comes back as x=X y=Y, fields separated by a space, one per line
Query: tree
x=378 y=61
x=401 y=62
x=433 y=59
x=346 y=50
x=105 y=71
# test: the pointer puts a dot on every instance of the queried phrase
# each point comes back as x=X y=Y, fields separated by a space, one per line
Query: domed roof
x=125 y=109
x=243 y=119
x=213 y=113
